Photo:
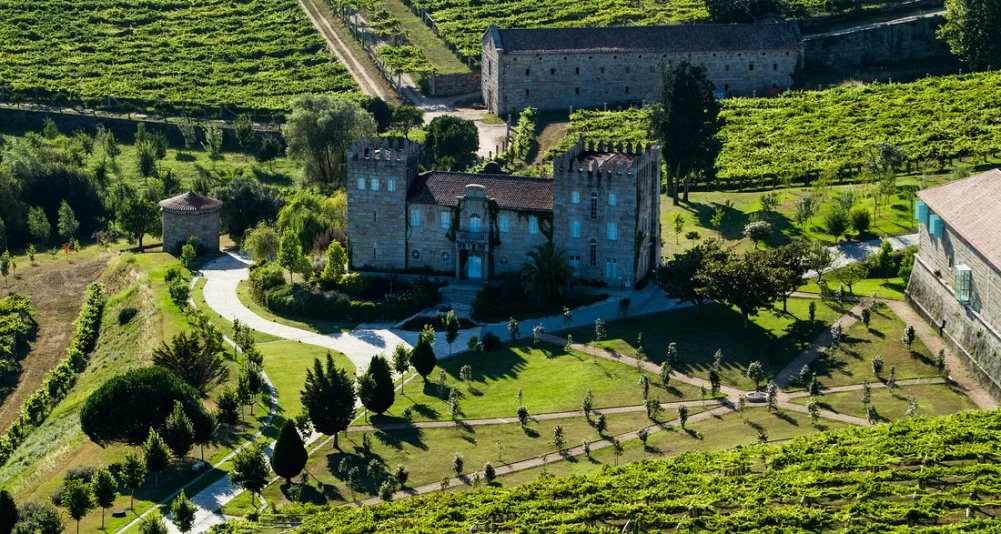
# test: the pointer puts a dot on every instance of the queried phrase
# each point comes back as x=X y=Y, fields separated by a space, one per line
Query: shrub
x=491 y=342
x=126 y=314
x=861 y=219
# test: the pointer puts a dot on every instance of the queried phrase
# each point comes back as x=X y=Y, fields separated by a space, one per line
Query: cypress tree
x=180 y=432
x=380 y=396
x=328 y=397
x=422 y=357
x=289 y=457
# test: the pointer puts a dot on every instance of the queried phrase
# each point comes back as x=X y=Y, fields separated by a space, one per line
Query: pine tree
x=67 y=224
x=157 y=455
x=328 y=397
x=383 y=393
x=289 y=456
x=451 y=329
x=179 y=432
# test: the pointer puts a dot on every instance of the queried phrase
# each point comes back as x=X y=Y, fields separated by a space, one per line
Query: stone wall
x=452 y=84
x=179 y=226
x=976 y=341
x=428 y=243
x=907 y=39
x=513 y=81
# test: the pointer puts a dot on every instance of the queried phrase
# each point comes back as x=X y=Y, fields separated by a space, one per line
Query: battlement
x=385 y=149
x=586 y=156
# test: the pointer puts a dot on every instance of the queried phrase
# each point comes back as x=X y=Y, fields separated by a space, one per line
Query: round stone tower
x=191 y=214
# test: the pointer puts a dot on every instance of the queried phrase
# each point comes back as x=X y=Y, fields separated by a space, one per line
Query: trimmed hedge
x=61 y=378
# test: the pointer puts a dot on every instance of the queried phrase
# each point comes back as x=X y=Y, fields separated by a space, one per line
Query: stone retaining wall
x=908 y=39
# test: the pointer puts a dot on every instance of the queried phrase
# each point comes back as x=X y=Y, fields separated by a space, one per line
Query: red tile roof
x=972 y=208
x=190 y=202
x=510 y=192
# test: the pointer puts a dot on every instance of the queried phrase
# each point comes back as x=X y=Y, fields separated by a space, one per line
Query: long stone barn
x=956 y=281
x=560 y=68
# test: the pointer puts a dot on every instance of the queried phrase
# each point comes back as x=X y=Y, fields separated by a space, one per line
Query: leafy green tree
x=133 y=475
x=685 y=276
x=156 y=453
x=104 y=488
x=179 y=431
x=138 y=217
x=248 y=203
x=39 y=227
x=290 y=254
x=6 y=261
x=78 y=500
x=547 y=273
x=229 y=407
x=267 y=149
x=289 y=456
x=559 y=438
x=152 y=524
x=756 y=373
x=328 y=396
x=406 y=118
x=861 y=219
x=422 y=357
x=8 y=512
x=851 y=274
x=382 y=394
x=319 y=131
x=68 y=225
x=758 y=231
x=188 y=133
x=124 y=408
x=200 y=364
x=182 y=513
x=837 y=222
x=687 y=123
x=145 y=159
x=38 y=517
x=261 y=243
x=513 y=329
x=747 y=283
x=451 y=329
x=401 y=359
x=806 y=207
x=337 y=261
x=970 y=30
x=683 y=415
x=243 y=129
x=790 y=264
x=679 y=225
x=451 y=143
x=250 y=470
x=213 y=141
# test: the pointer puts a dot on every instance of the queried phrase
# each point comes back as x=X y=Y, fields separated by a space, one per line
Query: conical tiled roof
x=190 y=201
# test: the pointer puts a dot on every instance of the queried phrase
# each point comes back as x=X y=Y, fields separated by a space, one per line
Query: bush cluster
x=499 y=301
x=61 y=378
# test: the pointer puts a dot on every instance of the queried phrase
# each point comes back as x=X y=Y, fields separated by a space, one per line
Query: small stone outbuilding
x=191 y=214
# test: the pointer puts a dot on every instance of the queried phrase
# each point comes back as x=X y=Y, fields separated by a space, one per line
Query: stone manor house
x=559 y=68
x=602 y=207
x=956 y=281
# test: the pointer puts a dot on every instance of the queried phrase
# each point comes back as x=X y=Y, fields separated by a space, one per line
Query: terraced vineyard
x=798 y=133
x=935 y=473
x=173 y=57
x=463 y=22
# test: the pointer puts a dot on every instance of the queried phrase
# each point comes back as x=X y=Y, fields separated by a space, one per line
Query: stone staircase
x=460 y=296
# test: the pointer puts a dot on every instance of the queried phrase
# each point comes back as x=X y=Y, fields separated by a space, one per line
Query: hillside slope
x=940 y=474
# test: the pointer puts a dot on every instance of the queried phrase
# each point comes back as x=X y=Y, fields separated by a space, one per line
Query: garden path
x=816 y=349
x=848 y=252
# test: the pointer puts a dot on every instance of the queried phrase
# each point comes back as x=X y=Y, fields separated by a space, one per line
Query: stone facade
x=972 y=325
x=190 y=215
x=577 y=75
x=602 y=207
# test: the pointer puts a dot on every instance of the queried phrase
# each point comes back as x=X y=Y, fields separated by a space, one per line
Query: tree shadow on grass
x=426 y=412
x=785 y=417
x=396 y=439
x=310 y=494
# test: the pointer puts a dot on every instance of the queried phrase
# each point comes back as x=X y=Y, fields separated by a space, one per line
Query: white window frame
x=504 y=223
x=611 y=199
x=445 y=220
x=361 y=184
x=533 y=225
x=575 y=229
x=575 y=197
x=612 y=231
x=478 y=227
x=391 y=184
x=374 y=184
x=415 y=218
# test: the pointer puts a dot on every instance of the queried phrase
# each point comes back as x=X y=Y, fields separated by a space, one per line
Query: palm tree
x=547 y=271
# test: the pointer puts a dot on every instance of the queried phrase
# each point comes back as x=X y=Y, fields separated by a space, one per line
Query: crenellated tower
x=606 y=210
x=379 y=174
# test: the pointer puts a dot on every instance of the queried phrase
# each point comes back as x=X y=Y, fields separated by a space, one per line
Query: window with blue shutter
x=921 y=212
x=935 y=225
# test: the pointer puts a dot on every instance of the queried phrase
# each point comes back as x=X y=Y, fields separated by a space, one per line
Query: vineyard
x=190 y=57
x=940 y=473
x=462 y=22
x=811 y=132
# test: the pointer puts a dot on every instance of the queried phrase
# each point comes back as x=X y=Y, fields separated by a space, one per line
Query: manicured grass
x=286 y=362
x=722 y=432
x=552 y=381
x=891 y=405
x=884 y=288
x=309 y=324
x=851 y=363
x=428 y=453
x=720 y=328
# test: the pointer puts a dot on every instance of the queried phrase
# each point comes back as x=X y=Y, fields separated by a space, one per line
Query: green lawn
x=891 y=405
x=717 y=433
x=884 y=288
x=428 y=453
x=286 y=362
x=552 y=380
x=851 y=363
x=720 y=328
x=320 y=326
